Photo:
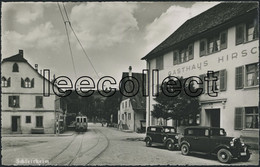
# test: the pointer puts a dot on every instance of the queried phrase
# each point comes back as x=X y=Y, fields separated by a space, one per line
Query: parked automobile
x=211 y=140
x=166 y=135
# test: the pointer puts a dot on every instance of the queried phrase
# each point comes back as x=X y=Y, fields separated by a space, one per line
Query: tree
x=177 y=107
x=111 y=107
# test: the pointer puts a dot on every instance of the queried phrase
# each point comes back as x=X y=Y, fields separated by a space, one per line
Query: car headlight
x=164 y=138
x=232 y=142
x=176 y=137
x=242 y=142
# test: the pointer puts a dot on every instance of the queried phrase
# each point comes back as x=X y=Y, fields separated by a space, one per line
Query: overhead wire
x=84 y=51
x=67 y=33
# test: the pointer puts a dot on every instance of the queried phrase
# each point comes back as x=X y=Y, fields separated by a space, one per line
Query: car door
x=201 y=140
x=158 y=135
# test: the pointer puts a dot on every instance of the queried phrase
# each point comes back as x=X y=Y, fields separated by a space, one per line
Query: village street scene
x=130 y=83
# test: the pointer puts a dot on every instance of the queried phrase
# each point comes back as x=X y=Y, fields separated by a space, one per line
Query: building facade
x=132 y=107
x=223 y=39
x=24 y=108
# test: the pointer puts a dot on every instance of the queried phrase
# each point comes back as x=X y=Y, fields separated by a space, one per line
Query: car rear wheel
x=185 y=149
x=224 y=155
x=148 y=142
x=245 y=158
x=170 y=145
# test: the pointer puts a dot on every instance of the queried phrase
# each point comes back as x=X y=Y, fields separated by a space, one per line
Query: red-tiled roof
x=205 y=21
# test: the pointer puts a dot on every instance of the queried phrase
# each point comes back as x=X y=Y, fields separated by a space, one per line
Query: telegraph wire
x=79 y=41
x=68 y=39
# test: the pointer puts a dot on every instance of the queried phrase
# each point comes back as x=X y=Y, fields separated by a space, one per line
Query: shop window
x=239 y=77
x=39 y=102
x=39 y=121
x=251 y=117
x=14 y=101
x=129 y=116
x=15 y=67
x=28 y=119
x=159 y=63
x=5 y=82
x=252 y=75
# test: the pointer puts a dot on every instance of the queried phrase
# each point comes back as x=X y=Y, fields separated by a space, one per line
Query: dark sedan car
x=213 y=141
x=165 y=135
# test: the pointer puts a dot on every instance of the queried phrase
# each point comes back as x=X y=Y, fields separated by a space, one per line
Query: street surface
x=98 y=146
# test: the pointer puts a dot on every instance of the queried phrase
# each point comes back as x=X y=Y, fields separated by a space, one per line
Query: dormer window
x=15 y=67
x=5 y=82
x=27 y=83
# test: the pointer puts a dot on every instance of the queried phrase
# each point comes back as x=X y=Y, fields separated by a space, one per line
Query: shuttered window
x=238 y=118
x=39 y=102
x=239 y=77
x=223 y=80
x=13 y=101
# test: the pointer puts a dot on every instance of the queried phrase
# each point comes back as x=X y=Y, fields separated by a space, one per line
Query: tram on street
x=81 y=124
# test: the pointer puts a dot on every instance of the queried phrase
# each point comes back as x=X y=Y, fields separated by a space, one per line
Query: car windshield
x=169 y=130
x=218 y=132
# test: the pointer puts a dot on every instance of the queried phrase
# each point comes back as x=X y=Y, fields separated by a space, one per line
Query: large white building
x=223 y=39
x=24 y=108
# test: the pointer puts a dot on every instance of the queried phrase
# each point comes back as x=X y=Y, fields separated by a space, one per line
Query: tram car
x=81 y=124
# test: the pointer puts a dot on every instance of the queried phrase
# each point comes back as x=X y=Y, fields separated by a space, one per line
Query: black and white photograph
x=130 y=83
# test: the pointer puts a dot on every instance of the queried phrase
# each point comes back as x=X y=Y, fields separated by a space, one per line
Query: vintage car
x=211 y=140
x=165 y=135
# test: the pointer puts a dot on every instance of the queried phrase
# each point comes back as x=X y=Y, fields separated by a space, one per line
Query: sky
x=115 y=35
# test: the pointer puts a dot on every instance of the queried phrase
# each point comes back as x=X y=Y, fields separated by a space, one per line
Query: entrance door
x=15 y=123
x=214 y=117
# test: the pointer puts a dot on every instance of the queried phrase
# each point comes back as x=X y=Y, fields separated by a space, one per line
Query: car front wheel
x=185 y=149
x=148 y=142
x=170 y=145
x=224 y=155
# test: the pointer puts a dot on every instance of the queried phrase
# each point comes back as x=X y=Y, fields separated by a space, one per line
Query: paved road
x=98 y=146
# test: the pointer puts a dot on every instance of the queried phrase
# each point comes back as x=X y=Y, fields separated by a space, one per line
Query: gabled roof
x=138 y=101
x=213 y=17
x=15 y=58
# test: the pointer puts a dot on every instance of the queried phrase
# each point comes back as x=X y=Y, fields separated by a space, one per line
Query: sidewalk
x=67 y=133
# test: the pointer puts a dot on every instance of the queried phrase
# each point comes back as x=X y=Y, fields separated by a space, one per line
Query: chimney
x=130 y=71
x=36 y=67
x=21 y=52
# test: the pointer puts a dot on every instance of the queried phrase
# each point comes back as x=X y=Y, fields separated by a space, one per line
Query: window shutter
x=223 y=40
x=175 y=57
x=223 y=80
x=9 y=82
x=240 y=34
x=203 y=47
x=202 y=85
x=239 y=77
x=10 y=101
x=17 y=102
x=238 y=118
x=32 y=83
x=22 y=83
x=190 y=51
